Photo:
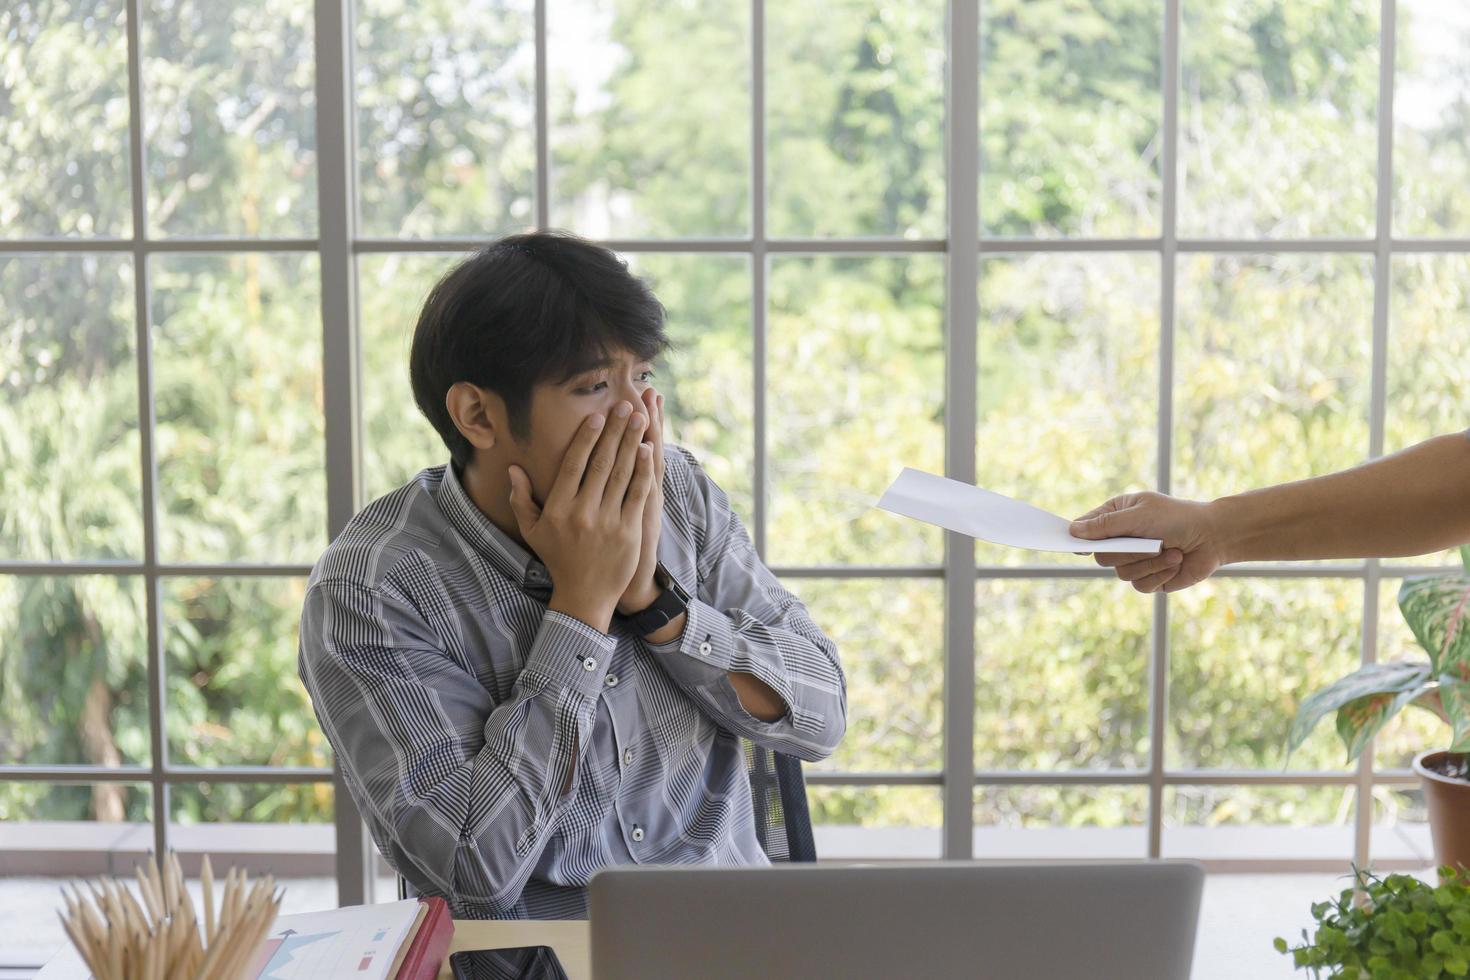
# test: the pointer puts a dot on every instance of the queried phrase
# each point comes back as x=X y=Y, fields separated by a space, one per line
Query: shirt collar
x=490 y=542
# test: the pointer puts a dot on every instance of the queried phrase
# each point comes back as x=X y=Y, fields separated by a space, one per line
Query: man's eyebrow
x=587 y=367
x=605 y=362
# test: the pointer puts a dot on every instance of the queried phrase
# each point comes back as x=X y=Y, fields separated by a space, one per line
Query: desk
x=570 y=938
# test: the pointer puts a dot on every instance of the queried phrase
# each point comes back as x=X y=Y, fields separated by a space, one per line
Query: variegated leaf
x=1390 y=678
x=1360 y=720
x=1437 y=609
x=1455 y=696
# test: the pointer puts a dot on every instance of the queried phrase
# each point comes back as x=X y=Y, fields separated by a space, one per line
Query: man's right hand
x=1191 y=550
x=589 y=530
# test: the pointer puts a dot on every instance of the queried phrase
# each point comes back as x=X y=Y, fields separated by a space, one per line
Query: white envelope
x=994 y=517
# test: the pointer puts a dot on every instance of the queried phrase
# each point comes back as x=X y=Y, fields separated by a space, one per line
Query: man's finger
x=1107 y=521
x=574 y=462
x=658 y=442
x=1183 y=580
x=622 y=470
x=1156 y=581
x=605 y=454
x=521 y=504
x=640 y=486
x=1112 y=559
x=1169 y=560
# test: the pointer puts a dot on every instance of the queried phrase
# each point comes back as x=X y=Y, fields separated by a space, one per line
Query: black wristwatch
x=672 y=601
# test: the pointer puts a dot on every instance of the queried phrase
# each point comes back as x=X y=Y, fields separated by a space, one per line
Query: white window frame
x=339 y=245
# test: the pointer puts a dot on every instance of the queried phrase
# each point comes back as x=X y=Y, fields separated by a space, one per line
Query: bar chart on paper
x=360 y=941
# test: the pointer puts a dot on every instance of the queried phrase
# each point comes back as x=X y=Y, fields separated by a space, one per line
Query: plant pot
x=1448 y=801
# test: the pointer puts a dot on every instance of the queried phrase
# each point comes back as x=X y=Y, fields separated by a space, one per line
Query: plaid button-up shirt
x=458 y=704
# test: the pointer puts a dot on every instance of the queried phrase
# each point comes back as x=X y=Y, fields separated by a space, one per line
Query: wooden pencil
x=207 y=883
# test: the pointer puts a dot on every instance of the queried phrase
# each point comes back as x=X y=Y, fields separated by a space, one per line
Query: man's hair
x=522 y=311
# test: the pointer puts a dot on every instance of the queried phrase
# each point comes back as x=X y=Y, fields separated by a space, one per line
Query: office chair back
x=783 y=823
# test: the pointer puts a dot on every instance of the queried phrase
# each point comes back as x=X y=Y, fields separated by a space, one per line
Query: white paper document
x=993 y=517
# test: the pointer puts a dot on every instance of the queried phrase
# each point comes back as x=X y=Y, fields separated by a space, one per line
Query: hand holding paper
x=994 y=517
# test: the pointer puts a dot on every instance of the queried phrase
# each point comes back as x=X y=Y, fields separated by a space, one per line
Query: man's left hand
x=643 y=590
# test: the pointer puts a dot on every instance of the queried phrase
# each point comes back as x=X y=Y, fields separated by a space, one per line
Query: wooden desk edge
x=570 y=938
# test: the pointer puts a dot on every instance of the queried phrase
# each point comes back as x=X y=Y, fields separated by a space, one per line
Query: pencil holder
x=156 y=934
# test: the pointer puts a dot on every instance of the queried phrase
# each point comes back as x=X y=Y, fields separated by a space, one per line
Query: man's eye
x=592 y=390
x=646 y=377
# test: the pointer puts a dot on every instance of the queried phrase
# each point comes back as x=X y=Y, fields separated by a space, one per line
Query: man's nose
x=629 y=392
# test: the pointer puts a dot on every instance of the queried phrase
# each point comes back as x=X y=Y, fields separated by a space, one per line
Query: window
x=1063 y=252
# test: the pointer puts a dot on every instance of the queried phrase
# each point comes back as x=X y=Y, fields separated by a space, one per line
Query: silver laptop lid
x=1102 y=920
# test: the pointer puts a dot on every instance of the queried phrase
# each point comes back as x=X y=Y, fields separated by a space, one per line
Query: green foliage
x=1437 y=609
x=1402 y=929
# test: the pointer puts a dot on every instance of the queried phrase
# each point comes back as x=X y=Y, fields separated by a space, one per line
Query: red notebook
x=424 y=954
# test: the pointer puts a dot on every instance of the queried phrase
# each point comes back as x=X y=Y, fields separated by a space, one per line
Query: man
x=539 y=660
x=1413 y=502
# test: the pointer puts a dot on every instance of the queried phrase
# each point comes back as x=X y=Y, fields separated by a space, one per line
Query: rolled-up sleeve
x=743 y=620
x=470 y=789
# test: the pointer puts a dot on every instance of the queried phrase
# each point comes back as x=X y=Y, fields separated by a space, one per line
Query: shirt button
x=590 y=663
x=637 y=834
x=627 y=757
x=611 y=680
x=704 y=649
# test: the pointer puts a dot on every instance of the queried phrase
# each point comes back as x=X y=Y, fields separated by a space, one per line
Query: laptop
x=1101 y=920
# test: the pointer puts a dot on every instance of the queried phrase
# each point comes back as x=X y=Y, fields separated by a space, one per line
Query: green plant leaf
x=1437 y=609
x=1454 y=695
x=1373 y=679
x=1358 y=721
x=1465 y=556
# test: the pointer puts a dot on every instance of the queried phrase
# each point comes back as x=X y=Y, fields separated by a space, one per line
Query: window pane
x=1428 y=357
x=1244 y=653
x=1061 y=822
x=1415 y=729
x=1278 y=118
x=1272 y=366
x=707 y=379
x=64 y=94
x=397 y=441
x=855 y=394
x=445 y=117
x=73 y=671
x=1431 y=118
x=857 y=823
x=284 y=829
x=1070 y=118
x=238 y=383
x=1429 y=348
x=234 y=696
x=68 y=406
x=894 y=662
x=1067 y=385
x=1251 y=823
x=1061 y=675
x=855 y=118
x=650 y=112
x=230 y=91
x=56 y=833
x=1401 y=836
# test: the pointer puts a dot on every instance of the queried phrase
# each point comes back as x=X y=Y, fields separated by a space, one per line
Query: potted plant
x=1404 y=929
x=1437 y=609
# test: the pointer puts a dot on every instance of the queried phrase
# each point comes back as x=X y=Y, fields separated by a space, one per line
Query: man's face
x=557 y=410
